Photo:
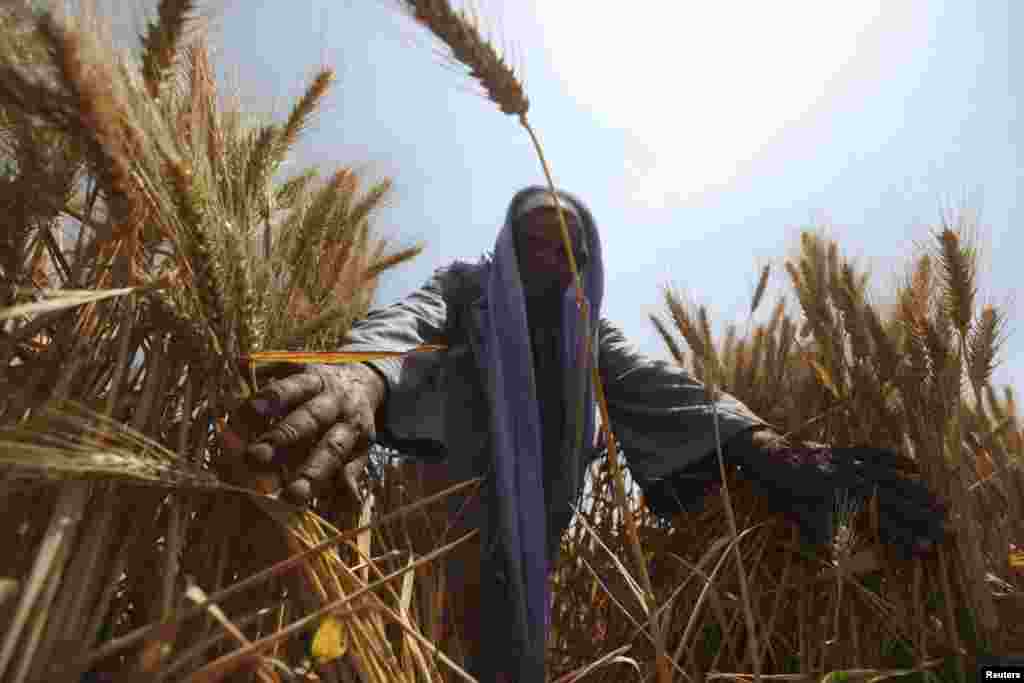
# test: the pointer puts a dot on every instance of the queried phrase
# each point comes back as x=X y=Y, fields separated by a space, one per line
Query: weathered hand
x=804 y=482
x=811 y=478
x=320 y=418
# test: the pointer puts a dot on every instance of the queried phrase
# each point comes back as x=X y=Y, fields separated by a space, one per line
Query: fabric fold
x=521 y=565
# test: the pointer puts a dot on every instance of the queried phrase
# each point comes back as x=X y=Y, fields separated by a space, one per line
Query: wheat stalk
x=713 y=367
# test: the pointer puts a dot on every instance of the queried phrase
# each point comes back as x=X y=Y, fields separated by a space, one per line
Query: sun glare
x=702 y=87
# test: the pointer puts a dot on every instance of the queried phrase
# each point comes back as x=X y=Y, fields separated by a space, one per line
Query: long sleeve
x=411 y=418
x=659 y=412
x=660 y=415
x=420 y=318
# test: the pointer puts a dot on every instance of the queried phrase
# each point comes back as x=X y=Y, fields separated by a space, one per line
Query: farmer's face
x=543 y=265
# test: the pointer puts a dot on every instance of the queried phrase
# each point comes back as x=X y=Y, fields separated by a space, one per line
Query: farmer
x=502 y=400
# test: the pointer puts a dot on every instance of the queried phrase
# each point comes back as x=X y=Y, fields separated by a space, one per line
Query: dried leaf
x=1017 y=560
x=824 y=377
x=330 y=641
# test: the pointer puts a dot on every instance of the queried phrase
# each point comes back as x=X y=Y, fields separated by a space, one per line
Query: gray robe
x=437 y=402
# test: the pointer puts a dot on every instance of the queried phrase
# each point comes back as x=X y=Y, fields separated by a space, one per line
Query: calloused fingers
x=282 y=395
x=333 y=451
x=305 y=423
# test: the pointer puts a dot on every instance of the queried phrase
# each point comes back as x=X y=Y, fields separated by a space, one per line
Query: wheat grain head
x=762 y=284
x=161 y=39
x=460 y=32
x=957 y=260
x=669 y=339
x=983 y=346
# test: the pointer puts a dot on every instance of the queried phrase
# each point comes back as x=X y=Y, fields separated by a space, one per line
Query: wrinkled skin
x=308 y=425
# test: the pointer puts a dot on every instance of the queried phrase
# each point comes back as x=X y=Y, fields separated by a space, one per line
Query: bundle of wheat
x=188 y=251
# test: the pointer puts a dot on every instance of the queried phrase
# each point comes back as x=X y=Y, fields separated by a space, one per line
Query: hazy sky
x=703 y=136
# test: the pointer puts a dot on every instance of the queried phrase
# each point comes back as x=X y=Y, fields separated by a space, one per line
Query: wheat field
x=152 y=240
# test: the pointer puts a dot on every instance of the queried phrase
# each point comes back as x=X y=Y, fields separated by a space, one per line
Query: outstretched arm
x=322 y=417
x=662 y=417
x=409 y=417
x=660 y=413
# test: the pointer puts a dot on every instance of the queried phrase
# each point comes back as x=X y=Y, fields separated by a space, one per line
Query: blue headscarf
x=521 y=514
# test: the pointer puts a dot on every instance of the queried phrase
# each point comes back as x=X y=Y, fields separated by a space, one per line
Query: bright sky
x=694 y=129
x=702 y=135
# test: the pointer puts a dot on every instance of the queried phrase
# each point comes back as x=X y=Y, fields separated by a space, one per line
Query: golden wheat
x=161 y=40
x=460 y=33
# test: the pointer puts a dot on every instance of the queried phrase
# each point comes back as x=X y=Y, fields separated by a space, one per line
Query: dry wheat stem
x=116 y=645
x=48 y=564
x=196 y=594
x=231 y=662
x=731 y=544
x=752 y=640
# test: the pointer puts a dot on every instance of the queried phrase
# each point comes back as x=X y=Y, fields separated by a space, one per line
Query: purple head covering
x=516 y=427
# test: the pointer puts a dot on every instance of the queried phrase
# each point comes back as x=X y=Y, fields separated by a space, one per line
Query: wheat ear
x=160 y=42
x=459 y=32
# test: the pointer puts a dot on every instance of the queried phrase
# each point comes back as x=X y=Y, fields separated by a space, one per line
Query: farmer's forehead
x=545 y=219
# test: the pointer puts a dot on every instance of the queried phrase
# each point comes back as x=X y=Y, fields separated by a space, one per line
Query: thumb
x=351 y=473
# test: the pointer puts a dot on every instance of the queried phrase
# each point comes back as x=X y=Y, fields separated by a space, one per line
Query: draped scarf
x=519 y=524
